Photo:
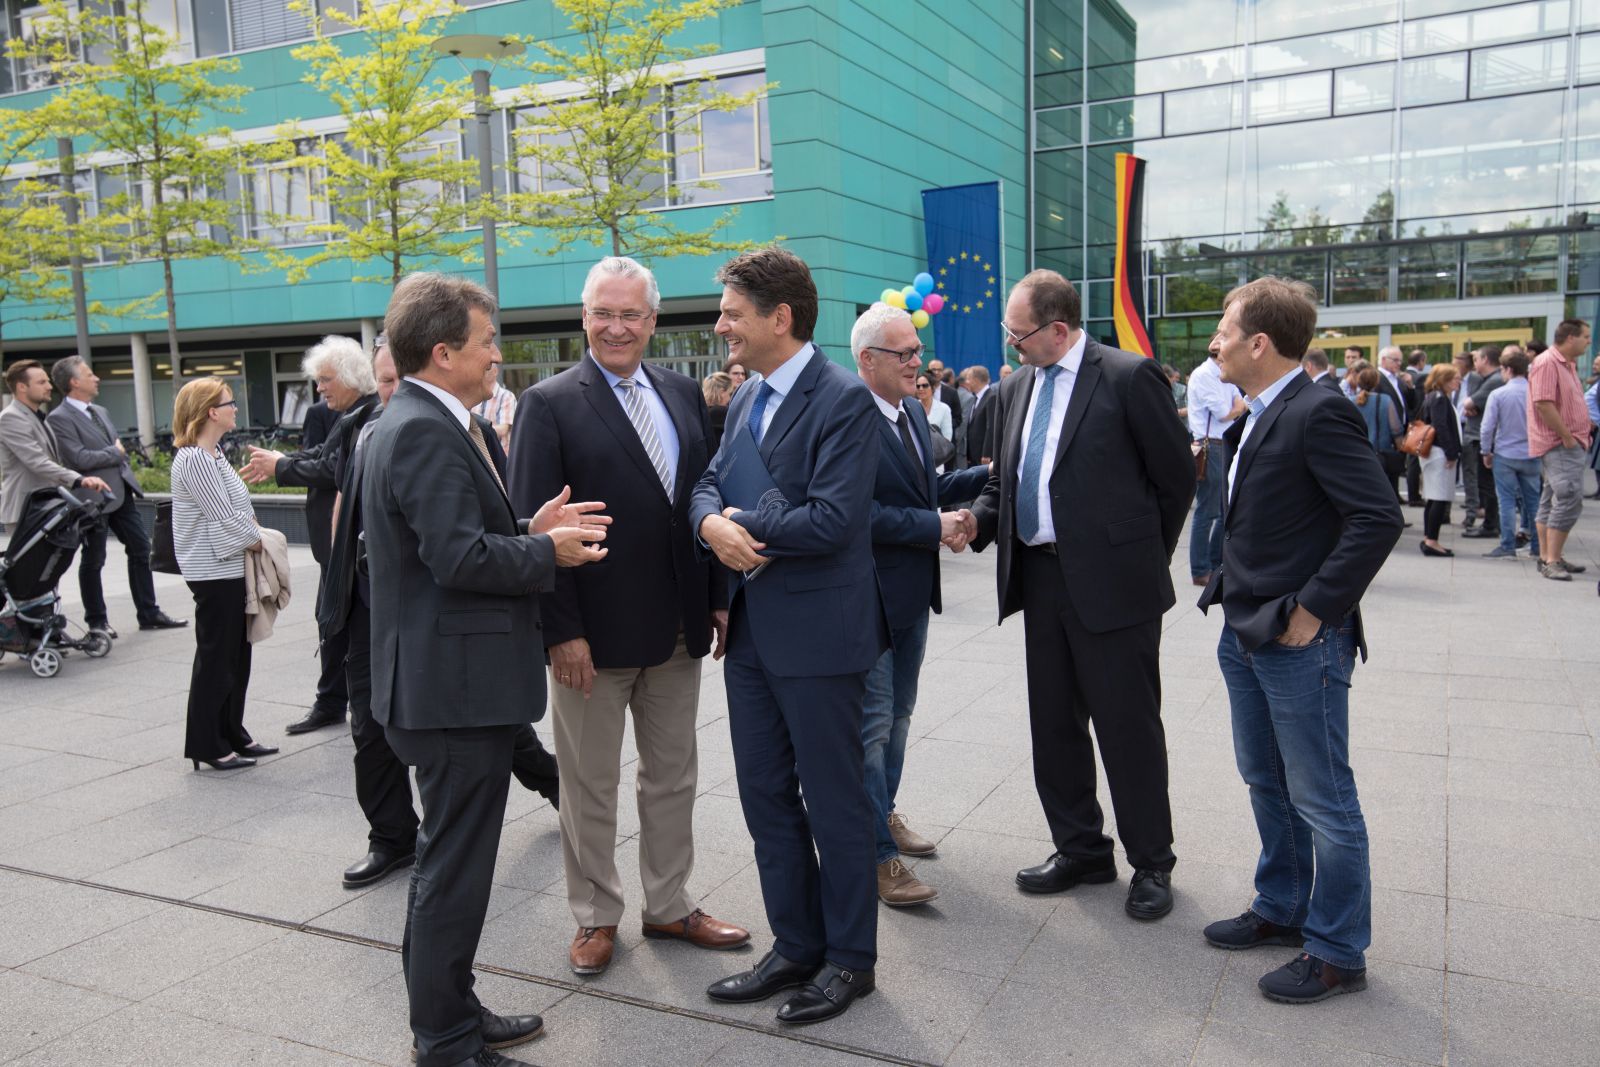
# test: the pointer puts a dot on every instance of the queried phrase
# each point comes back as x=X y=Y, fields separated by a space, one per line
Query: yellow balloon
x=894 y=298
x=888 y=295
x=919 y=318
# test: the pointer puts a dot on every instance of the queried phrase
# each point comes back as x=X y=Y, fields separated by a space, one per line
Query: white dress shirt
x=892 y=413
x=1069 y=364
x=448 y=399
x=782 y=380
x=1258 y=405
x=1210 y=398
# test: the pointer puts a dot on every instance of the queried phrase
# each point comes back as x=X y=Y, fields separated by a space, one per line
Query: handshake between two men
x=737 y=548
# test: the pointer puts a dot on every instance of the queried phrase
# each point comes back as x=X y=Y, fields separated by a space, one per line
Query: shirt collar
x=640 y=378
x=1258 y=404
x=454 y=406
x=782 y=380
x=1072 y=360
x=79 y=404
x=890 y=411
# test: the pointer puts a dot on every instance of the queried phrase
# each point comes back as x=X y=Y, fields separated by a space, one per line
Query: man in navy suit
x=907 y=530
x=802 y=634
x=1310 y=518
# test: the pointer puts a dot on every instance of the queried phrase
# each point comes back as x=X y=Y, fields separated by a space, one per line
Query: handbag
x=1199 y=450
x=163 y=557
x=1418 y=440
x=943 y=450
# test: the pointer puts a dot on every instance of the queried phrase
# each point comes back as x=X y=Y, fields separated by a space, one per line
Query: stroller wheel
x=45 y=662
x=96 y=644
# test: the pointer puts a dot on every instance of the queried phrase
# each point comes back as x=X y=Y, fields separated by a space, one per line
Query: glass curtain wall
x=1359 y=145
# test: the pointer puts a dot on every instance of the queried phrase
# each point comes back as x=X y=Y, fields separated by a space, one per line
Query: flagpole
x=1001 y=229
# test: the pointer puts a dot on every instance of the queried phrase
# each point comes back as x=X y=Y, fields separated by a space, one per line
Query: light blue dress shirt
x=653 y=404
x=1258 y=406
x=782 y=380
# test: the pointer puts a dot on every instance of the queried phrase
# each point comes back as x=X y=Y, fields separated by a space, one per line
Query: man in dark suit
x=980 y=425
x=89 y=445
x=630 y=634
x=1310 y=519
x=343 y=376
x=1092 y=482
x=1315 y=364
x=907 y=530
x=803 y=633
x=453 y=616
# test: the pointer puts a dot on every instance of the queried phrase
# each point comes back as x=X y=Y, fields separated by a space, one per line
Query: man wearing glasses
x=1091 y=484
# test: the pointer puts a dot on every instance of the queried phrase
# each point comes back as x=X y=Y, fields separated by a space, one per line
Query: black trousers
x=332 y=694
x=1413 y=480
x=463 y=776
x=1434 y=515
x=221 y=673
x=129 y=529
x=1076 y=677
x=383 y=788
x=1488 y=498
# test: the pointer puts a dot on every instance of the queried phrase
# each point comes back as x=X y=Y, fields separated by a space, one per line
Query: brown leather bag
x=1418 y=440
x=1199 y=450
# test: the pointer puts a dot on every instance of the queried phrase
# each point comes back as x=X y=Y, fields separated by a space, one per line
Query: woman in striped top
x=213 y=526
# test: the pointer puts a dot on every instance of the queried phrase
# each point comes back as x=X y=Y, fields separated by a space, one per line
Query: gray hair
x=64 y=371
x=623 y=267
x=871 y=326
x=1391 y=350
x=347 y=360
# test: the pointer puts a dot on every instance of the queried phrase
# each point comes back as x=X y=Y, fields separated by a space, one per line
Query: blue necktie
x=758 y=409
x=1033 y=458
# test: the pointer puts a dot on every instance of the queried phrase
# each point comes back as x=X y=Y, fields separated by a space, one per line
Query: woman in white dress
x=937 y=410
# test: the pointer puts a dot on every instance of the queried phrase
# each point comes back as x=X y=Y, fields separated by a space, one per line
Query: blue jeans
x=1205 y=530
x=1516 y=482
x=1291 y=739
x=891 y=695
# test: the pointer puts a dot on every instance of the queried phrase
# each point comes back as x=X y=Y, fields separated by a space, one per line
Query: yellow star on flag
x=940 y=285
x=988 y=292
x=963 y=256
x=980 y=305
x=987 y=268
x=953 y=259
x=991 y=279
x=966 y=309
x=943 y=271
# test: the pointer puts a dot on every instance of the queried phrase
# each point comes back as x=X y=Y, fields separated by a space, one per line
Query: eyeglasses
x=225 y=404
x=1013 y=340
x=627 y=318
x=910 y=355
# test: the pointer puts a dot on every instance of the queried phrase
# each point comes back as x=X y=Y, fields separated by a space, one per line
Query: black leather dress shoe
x=315 y=719
x=162 y=621
x=103 y=627
x=1060 y=873
x=375 y=866
x=1479 y=533
x=761 y=981
x=1149 y=895
x=488 y=1057
x=258 y=750
x=830 y=993
x=504 y=1031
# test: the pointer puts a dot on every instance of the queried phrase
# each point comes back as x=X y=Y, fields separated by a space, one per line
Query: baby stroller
x=41 y=550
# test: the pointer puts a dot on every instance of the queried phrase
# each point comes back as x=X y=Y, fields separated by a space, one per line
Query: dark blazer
x=816 y=609
x=1311 y=519
x=905 y=519
x=1405 y=404
x=89 y=447
x=952 y=399
x=572 y=430
x=980 y=426
x=1439 y=413
x=1330 y=382
x=339 y=572
x=317 y=468
x=452 y=570
x=1119 y=490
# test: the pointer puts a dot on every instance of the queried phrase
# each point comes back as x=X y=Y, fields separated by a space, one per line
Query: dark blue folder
x=745 y=482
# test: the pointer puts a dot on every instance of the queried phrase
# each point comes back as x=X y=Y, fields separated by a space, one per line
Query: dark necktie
x=904 y=423
x=100 y=425
x=758 y=409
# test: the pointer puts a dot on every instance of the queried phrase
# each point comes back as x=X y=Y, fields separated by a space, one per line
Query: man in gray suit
x=88 y=443
x=29 y=456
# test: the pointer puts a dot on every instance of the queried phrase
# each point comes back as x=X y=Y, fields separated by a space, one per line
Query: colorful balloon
x=913 y=300
x=933 y=303
x=923 y=283
x=888 y=296
x=919 y=318
x=894 y=298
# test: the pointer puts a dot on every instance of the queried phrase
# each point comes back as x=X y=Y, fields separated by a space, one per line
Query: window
x=285 y=196
x=1519 y=68
x=732 y=149
x=1301 y=96
x=1216 y=107
x=1064 y=126
x=1485 y=155
x=1541 y=18
x=1434 y=80
x=1363 y=89
x=1123 y=120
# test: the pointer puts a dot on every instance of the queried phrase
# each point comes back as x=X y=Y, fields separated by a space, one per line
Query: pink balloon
x=933 y=303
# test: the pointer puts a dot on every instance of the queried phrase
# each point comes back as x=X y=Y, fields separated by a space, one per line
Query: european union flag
x=963 y=231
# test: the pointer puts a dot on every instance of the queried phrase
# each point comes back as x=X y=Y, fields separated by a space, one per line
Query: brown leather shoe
x=700 y=929
x=899 y=888
x=591 y=949
x=907 y=840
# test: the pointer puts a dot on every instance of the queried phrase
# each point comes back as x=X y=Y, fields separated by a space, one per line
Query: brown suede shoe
x=907 y=840
x=899 y=888
x=700 y=929
x=591 y=949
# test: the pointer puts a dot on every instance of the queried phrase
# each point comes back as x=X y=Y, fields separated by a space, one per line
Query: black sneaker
x=1306 y=980
x=1251 y=931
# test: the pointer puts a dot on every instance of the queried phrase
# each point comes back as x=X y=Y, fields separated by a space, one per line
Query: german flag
x=1132 y=335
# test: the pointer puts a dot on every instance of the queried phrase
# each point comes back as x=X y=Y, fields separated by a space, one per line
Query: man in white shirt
x=1213 y=407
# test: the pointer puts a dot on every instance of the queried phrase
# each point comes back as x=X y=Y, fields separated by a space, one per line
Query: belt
x=1048 y=548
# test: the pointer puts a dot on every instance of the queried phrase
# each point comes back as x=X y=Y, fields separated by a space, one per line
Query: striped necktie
x=475 y=432
x=645 y=425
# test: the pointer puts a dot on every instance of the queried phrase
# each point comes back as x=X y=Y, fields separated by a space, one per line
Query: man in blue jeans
x=907 y=530
x=1505 y=452
x=1213 y=407
x=1309 y=519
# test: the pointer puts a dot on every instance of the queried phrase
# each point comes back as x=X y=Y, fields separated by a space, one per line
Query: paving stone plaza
x=153 y=915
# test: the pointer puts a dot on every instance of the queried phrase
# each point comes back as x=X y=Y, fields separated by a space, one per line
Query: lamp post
x=483 y=48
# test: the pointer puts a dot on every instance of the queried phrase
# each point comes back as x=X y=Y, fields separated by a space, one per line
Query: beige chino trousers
x=665 y=700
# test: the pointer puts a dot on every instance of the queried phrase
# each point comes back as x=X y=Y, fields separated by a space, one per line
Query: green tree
x=31 y=285
x=600 y=154
x=394 y=181
x=125 y=88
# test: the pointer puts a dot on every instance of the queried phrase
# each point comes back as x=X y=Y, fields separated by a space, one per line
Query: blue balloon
x=923 y=283
x=913 y=301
